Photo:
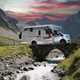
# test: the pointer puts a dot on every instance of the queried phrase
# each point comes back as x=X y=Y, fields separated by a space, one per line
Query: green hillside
x=7 y=41
x=72 y=66
x=15 y=51
x=10 y=47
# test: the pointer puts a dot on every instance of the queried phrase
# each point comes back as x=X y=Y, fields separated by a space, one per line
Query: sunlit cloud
x=37 y=9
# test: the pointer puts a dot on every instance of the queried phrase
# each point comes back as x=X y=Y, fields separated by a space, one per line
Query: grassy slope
x=7 y=41
x=9 y=47
x=72 y=66
x=6 y=51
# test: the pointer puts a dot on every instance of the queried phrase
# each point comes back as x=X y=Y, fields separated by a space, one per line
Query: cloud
x=52 y=9
x=59 y=10
x=55 y=8
x=57 y=1
x=2 y=3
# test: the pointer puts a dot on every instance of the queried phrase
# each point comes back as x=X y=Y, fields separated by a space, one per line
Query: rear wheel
x=34 y=43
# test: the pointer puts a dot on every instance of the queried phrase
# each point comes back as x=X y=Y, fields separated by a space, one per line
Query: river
x=41 y=72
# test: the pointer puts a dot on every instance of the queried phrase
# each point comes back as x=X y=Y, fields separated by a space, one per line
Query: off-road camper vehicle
x=44 y=34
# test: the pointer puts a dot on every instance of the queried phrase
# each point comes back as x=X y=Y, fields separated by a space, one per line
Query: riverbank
x=15 y=50
x=71 y=66
x=17 y=59
x=12 y=58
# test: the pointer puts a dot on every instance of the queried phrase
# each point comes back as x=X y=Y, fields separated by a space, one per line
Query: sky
x=33 y=9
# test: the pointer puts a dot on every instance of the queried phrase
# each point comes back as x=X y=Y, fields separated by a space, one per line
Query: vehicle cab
x=61 y=38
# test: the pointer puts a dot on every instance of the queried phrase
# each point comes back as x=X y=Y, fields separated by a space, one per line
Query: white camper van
x=44 y=34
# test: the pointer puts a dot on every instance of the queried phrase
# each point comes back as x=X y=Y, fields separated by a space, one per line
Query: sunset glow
x=36 y=9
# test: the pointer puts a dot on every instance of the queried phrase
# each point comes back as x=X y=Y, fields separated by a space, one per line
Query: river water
x=40 y=72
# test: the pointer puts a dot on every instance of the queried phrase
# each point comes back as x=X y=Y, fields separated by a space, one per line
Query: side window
x=28 y=29
x=48 y=32
x=31 y=29
x=60 y=34
x=55 y=33
x=39 y=32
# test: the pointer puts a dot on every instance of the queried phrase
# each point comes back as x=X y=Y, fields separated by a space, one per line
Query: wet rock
x=24 y=60
x=30 y=68
x=2 y=66
x=25 y=77
x=54 y=70
x=26 y=63
x=17 y=72
x=59 y=71
x=25 y=69
x=37 y=64
x=1 y=78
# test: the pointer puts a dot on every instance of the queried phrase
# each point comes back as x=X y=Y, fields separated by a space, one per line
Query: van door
x=47 y=37
x=48 y=33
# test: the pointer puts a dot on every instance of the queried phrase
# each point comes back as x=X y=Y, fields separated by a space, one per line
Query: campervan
x=44 y=35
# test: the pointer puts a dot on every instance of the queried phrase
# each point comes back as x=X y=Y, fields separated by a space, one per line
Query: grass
x=72 y=66
x=12 y=47
x=5 y=37
x=7 y=41
x=6 y=51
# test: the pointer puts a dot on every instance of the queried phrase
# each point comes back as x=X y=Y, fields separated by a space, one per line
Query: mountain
x=72 y=25
x=7 y=22
x=8 y=26
x=40 y=21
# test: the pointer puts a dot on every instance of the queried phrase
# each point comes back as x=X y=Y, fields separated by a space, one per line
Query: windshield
x=56 y=32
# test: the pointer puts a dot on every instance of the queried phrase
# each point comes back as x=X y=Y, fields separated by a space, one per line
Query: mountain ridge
x=8 y=27
x=72 y=25
x=7 y=22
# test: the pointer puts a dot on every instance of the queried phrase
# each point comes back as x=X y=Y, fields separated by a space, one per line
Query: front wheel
x=62 y=42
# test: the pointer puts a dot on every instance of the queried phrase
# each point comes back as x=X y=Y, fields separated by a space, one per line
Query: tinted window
x=31 y=29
